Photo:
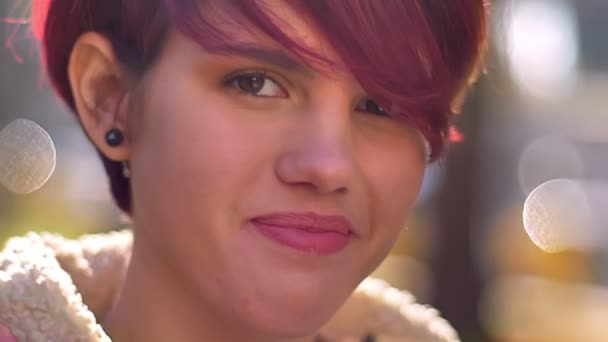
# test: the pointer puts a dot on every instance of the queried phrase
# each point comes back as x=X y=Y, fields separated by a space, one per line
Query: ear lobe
x=100 y=90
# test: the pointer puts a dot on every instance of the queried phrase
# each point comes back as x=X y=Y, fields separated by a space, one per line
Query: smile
x=306 y=232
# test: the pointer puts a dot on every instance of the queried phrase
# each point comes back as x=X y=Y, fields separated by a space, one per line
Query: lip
x=307 y=232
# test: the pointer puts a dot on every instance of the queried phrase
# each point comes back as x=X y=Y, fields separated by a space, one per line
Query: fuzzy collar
x=52 y=289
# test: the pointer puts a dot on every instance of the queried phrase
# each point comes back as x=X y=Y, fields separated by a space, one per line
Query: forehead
x=296 y=25
x=246 y=37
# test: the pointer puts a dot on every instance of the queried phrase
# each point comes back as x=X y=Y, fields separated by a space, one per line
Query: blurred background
x=529 y=177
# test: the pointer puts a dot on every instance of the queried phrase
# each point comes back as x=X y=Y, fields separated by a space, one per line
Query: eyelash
x=232 y=81
x=381 y=110
x=264 y=75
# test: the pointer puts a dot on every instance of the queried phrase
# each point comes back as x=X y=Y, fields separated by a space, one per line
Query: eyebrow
x=272 y=56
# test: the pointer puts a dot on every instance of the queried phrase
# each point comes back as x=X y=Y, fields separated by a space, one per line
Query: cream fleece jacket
x=52 y=289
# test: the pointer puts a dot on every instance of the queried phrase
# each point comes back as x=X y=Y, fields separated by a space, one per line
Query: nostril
x=318 y=338
x=369 y=338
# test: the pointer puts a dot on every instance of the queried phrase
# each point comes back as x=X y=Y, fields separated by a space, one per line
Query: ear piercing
x=114 y=137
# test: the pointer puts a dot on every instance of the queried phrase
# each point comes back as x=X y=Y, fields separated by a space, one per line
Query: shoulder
x=376 y=308
x=38 y=295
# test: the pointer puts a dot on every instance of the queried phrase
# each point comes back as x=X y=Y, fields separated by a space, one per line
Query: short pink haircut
x=414 y=57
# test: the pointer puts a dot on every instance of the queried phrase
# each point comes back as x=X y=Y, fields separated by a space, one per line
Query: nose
x=319 y=157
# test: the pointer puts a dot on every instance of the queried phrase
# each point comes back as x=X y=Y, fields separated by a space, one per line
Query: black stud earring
x=114 y=137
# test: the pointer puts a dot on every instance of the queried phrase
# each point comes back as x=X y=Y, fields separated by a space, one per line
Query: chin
x=293 y=321
x=281 y=330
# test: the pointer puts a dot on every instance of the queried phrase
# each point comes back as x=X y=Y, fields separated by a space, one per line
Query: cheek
x=398 y=190
x=199 y=159
x=394 y=180
x=196 y=161
x=188 y=147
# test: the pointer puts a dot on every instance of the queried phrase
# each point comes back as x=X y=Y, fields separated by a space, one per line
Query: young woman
x=268 y=153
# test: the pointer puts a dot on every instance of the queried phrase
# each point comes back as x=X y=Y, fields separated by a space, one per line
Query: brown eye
x=371 y=107
x=257 y=84
x=251 y=84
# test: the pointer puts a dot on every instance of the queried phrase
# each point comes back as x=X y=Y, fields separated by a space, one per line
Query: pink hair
x=414 y=57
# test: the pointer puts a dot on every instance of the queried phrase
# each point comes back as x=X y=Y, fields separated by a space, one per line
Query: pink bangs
x=413 y=57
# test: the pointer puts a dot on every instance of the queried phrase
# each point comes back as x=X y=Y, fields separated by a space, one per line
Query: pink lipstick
x=307 y=232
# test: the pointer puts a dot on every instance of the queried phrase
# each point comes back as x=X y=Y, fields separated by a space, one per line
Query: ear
x=100 y=89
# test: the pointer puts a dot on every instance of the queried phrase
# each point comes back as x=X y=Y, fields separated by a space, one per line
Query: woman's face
x=234 y=160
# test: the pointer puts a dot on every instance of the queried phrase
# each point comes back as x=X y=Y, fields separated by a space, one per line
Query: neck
x=153 y=306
